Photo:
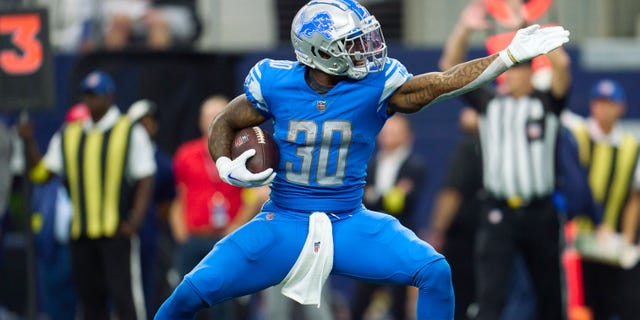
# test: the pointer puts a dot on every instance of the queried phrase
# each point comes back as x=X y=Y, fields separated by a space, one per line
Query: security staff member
x=108 y=167
x=611 y=157
x=518 y=132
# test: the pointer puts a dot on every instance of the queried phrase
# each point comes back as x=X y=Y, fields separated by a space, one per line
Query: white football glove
x=235 y=172
x=533 y=41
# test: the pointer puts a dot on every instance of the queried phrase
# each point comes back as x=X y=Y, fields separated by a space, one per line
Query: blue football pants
x=368 y=245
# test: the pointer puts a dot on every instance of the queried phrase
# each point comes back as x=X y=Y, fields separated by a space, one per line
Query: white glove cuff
x=508 y=58
x=223 y=164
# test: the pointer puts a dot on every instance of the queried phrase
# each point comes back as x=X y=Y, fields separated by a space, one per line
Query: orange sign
x=530 y=11
x=26 y=57
x=26 y=76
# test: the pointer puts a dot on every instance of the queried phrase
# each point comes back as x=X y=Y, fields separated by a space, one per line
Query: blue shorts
x=368 y=245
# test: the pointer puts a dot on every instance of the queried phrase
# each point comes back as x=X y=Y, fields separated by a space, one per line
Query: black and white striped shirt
x=518 y=138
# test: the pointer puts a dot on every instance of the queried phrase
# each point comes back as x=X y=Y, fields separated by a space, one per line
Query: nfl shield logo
x=321 y=105
x=316 y=246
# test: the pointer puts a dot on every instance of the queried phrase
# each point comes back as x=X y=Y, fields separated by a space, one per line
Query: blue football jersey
x=325 y=139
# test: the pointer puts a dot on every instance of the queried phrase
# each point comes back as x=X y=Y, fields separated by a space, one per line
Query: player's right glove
x=235 y=172
x=533 y=41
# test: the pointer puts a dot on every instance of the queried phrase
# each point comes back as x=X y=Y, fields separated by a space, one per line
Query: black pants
x=102 y=273
x=533 y=231
x=459 y=252
x=189 y=254
x=164 y=263
x=610 y=291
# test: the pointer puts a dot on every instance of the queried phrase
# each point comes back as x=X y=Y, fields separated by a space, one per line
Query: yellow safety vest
x=611 y=169
x=94 y=166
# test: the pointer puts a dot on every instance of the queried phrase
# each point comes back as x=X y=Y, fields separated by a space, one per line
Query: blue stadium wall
x=179 y=82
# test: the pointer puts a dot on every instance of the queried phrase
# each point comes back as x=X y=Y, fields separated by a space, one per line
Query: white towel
x=64 y=214
x=307 y=276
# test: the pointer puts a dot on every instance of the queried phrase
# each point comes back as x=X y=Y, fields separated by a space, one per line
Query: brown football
x=267 y=153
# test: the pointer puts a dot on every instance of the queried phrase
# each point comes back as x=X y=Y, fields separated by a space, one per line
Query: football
x=267 y=153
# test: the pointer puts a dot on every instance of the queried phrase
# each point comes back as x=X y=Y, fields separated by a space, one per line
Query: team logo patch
x=606 y=88
x=321 y=105
x=93 y=79
x=270 y=216
x=316 y=247
x=320 y=23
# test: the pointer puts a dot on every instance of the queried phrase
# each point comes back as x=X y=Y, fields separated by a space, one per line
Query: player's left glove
x=235 y=172
x=533 y=41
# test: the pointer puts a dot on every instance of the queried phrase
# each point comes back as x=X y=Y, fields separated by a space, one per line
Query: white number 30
x=306 y=150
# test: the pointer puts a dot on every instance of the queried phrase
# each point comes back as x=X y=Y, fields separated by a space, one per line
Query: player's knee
x=435 y=300
x=435 y=276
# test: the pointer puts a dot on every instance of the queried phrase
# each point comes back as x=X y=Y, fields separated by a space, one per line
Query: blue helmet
x=339 y=37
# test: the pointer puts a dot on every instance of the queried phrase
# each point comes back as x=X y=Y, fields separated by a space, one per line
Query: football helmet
x=339 y=37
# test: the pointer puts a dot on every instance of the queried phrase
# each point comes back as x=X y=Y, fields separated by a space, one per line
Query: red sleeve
x=179 y=166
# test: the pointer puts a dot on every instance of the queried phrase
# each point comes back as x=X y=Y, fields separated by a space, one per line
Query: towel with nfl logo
x=307 y=276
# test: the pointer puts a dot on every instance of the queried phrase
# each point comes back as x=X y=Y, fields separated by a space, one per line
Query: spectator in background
x=85 y=25
x=108 y=208
x=611 y=157
x=394 y=182
x=156 y=241
x=6 y=176
x=518 y=134
x=455 y=213
x=206 y=208
x=52 y=207
x=73 y=24
x=156 y=24
x=11 y=164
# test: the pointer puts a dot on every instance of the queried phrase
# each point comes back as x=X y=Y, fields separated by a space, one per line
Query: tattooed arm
x=429 y=88
x=238 y=114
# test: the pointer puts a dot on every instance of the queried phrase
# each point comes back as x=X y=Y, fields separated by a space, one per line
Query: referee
x=519 y=127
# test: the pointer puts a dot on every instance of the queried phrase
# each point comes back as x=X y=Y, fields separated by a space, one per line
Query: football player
x=327 y=108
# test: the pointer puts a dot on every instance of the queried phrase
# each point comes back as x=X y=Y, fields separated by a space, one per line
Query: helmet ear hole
x=324 y=55
x=320 y=53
